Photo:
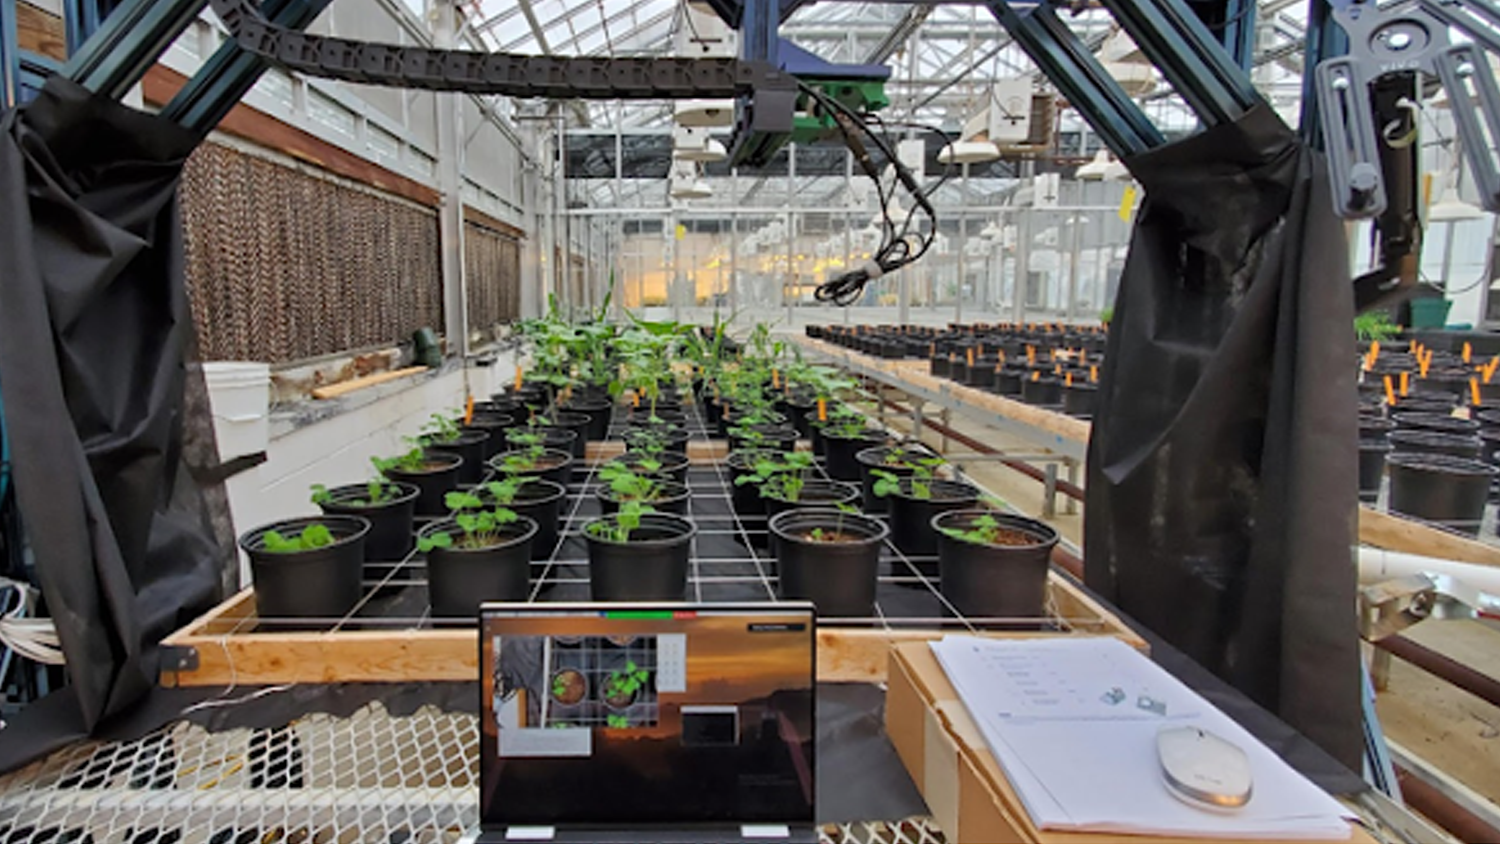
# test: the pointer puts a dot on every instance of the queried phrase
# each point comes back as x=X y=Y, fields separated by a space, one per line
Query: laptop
x=635 y=723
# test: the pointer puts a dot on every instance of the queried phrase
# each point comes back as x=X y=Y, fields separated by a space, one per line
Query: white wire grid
x=370 y=777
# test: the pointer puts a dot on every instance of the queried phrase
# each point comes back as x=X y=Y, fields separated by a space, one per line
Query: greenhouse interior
x=726 y=421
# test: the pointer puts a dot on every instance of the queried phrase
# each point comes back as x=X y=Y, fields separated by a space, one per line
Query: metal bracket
x=178 y=658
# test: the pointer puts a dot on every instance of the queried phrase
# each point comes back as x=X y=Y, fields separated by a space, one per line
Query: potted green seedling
x=637 y=554
x=569 y=687
x=531 y=457
x=433 y=473
x=846 y=434
x=389 y=506
x=535 y=498
x=662 y=464
x=477 y=555
x=620 y=484
x=915 y=500
x=899 y=459
x=441 y=434
x=656 y=438
x=540 y=431
x=307 y=568
x=624 y=686
x=992 y=564
x=785 y=484
x=830 y=556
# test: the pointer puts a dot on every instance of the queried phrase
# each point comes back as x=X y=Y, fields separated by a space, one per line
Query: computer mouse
x=1203 y=769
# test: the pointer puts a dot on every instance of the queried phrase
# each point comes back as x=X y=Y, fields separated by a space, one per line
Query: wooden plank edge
x=1409 y=536
x=333 y=391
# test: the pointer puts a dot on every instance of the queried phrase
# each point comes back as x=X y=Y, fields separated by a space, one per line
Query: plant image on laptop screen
x=646 y=716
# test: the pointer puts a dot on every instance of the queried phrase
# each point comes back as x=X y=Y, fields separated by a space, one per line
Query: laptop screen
x=624 y=714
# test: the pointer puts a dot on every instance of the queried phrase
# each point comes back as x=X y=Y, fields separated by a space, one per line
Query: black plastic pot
x=554 y=465
x=540 y=501
x=994 y=581
x=1421 y=441
x=599 y=412
x=815 y=493
x=494 y=426
x=553 y=439
x=1078 y=400
x=1007 y=383
x=745 y=498
x=470 y=445
x=673 y=499
x=434 y=482
x=459 y=579
x=776 y=437
x=801 y=415
x=321 y=583
x=651 y=566
x=672 y=466
x=578 y=423
x=1044 y=391
x=673 y=440
x=1424 y=404
x=871 y=459
x=841 y=463
x=838 y=577
x=391 y=534
x=1372 y=454
x=1450 y=491
x=1440 y=422
x=1375 y=428
x=911 y=518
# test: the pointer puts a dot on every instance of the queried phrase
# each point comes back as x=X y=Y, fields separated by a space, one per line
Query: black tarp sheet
x=93 y=323
x=1221 y=494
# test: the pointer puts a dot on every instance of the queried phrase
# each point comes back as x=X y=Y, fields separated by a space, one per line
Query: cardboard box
x=949 y=760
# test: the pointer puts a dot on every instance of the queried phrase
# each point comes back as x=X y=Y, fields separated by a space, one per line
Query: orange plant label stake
x=1405 y=382
x=519 y=376
x=635 y=400
x=1489 y=371
x=469 y=409
x=1094 y=372
x=1468 y=352
x=1474 y=390
x=775 y=379
x=1031 y=355
x=969 y=353
x=1390 y=392
x=1068 y=379
x=1036 y=376
x=822 y=410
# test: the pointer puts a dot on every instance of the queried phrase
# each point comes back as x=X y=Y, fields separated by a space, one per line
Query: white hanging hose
x=33 y=638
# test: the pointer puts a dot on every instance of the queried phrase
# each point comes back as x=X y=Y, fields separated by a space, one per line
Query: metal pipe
x=1444 y=668
x=1442 y=810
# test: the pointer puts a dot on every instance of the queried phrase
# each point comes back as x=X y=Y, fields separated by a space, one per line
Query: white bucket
x=240 y=395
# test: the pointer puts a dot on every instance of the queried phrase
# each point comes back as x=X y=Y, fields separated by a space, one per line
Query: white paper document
x=1073 y=723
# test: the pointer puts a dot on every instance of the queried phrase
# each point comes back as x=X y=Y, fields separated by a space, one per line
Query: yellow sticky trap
x=822 y=410
x=1390 y=392
x=469 y=409
x=681 y=232
x=1127 y=203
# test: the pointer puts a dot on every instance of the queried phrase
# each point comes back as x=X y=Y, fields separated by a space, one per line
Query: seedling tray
x=391 y=635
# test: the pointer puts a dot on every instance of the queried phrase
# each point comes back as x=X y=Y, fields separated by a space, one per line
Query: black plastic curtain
x=1221 y=498
x=93 y=323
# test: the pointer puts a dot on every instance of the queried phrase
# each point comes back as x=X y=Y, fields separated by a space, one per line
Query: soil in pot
x=474 y=570
x=550 y=463
x=830 y=558
x=839 y=451
x=435 y=478
x=1432 y=442
x=672 y=497
x=390 y=513
x=912 y=515
x=650 y=564
x=569 y=687
x=317 y=583
x=994 y=565
x=470 y=445
x=1450 y=491
x=1372 y=454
